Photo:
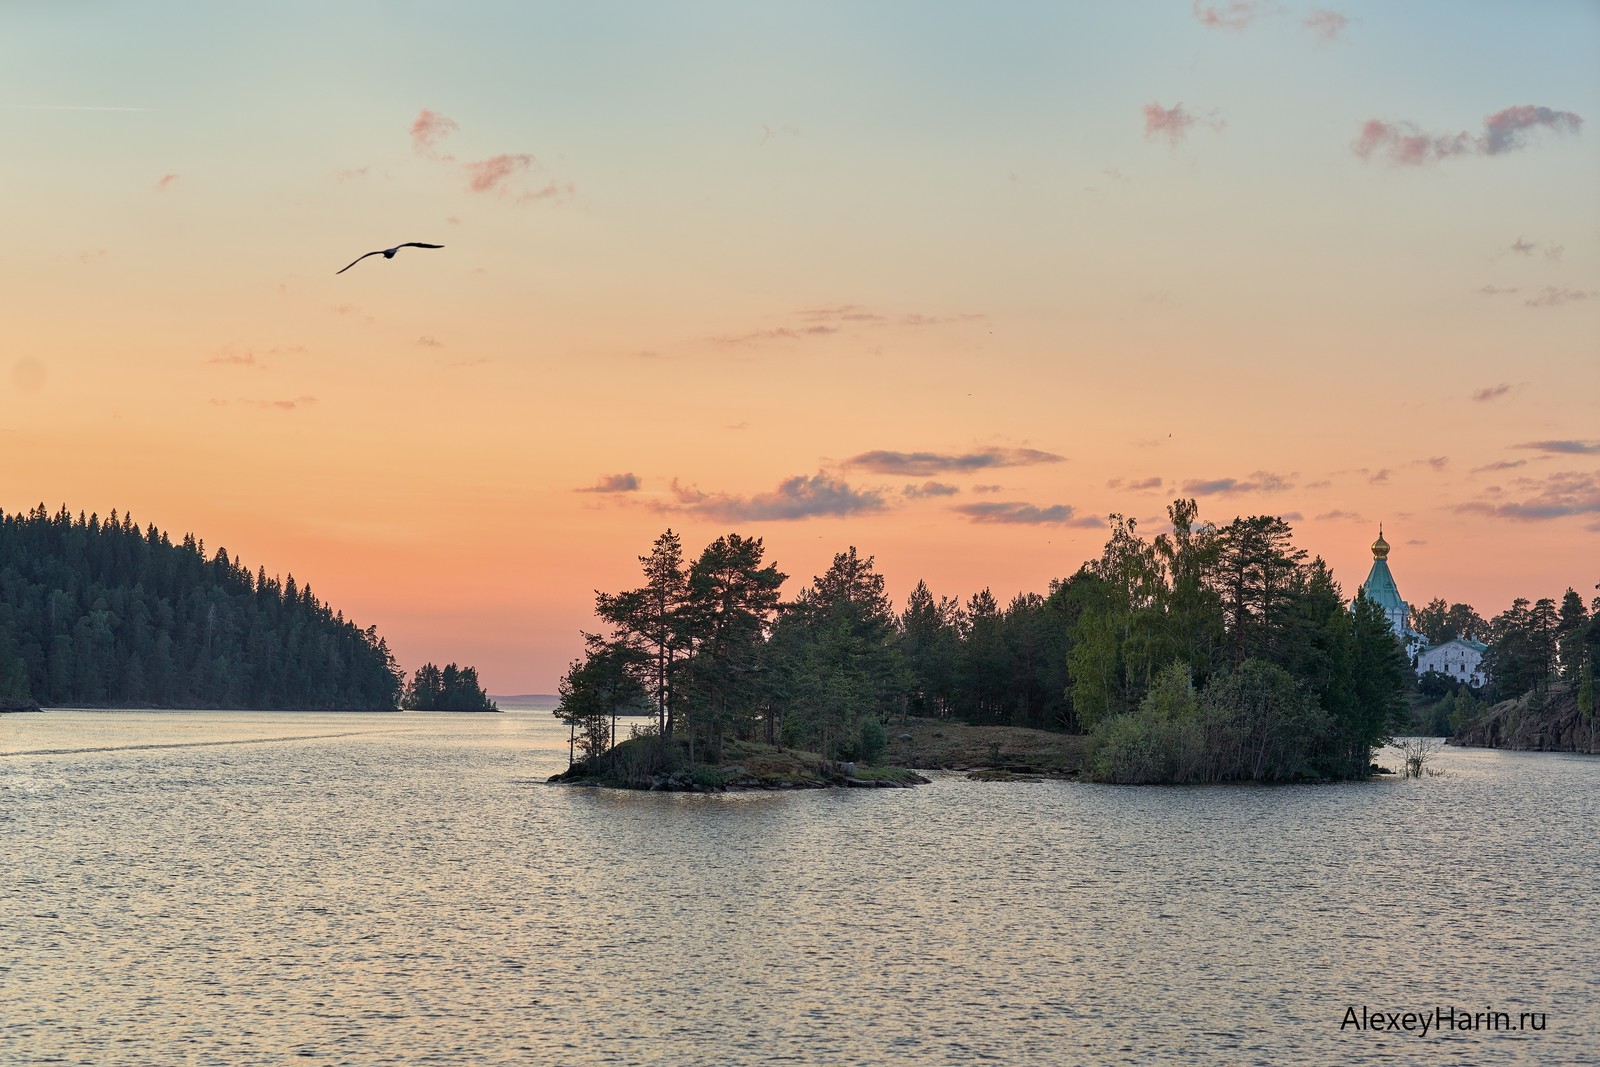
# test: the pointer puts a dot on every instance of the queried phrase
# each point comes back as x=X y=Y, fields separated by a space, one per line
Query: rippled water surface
x=249 y=888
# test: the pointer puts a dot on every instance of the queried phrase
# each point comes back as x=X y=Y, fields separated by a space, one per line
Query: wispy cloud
x=1553 y=296
x=165 y=182
x=1402 y=143
x=1495 y=290
x=1492 y=392
x=769 y=132
x=270 y=405
x=1379 y=477
x=931 y=488
x=918 y=464
x=493 y=174
x=1570 y=448
x=1560 y=495
x=1015 y=513
x=1134 y=484
x=1234 y=15
x=1258 y=482
x=428 y=129
x=613 y=483
x=823 y=321
x=1338 y=515
x=229 y=358
x=776 y=333
x=794 y=499
x=842 y=313
x=1174 y=122
x=426 y=341
x=1327 y=24
x=1506 y=130
x=1523 y=248
x=350 y=174
x=1503 y=465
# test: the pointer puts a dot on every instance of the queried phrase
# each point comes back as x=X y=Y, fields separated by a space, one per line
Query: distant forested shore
x=103 y=613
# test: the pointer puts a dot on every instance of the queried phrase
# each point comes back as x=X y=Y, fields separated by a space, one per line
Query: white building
x=1460 y=659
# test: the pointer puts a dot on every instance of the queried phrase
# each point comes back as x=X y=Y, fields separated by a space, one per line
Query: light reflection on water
x=404 y=888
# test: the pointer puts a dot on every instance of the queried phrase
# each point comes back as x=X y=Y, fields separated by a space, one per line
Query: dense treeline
x=449 y=689
x=1209 y=653
x=1531 y=646
x=97 y=613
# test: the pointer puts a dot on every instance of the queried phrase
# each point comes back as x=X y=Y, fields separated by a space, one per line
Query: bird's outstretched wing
x=358 y=259
x=417 y=244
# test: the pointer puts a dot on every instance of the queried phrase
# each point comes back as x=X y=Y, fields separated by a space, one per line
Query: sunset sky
x=947 y=282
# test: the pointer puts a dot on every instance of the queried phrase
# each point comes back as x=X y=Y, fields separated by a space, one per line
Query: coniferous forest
x=103 y=612
x=1207 y=653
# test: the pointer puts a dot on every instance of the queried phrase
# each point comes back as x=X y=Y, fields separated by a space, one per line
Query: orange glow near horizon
x=736 y=282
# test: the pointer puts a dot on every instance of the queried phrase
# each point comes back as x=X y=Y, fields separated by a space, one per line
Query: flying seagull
x=386 y=253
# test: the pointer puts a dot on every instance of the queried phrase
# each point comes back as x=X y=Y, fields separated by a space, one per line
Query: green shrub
x=872 y=742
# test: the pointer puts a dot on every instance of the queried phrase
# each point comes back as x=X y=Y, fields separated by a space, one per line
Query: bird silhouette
x=386 y=253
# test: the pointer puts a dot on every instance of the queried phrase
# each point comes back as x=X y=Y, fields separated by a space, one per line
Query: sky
x=948 y=282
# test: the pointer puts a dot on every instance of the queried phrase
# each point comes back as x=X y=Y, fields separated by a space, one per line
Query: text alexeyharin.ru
x=1423 y=1023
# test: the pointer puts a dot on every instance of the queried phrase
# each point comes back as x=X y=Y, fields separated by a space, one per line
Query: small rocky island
x=987 y=753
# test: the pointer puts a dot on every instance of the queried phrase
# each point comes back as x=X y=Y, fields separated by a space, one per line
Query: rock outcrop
x=1552 y=723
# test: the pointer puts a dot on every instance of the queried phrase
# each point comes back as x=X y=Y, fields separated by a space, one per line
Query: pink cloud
x=1402 y=143
x=1172 y=123
x=551 y=191
x=1326 y=24
x=492 y=174
x=1235 y=15
x=1503 y=130
x=166 y=182
x=428 y=128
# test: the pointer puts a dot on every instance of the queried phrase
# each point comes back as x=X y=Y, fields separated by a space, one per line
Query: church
x=1460 y=658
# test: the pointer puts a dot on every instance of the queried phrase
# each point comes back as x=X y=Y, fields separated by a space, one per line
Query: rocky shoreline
x=1550 y=723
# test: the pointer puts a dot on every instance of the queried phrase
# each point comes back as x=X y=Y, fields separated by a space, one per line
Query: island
x=984 y=752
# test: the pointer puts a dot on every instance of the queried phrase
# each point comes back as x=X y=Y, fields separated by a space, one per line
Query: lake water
x=248 y=888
